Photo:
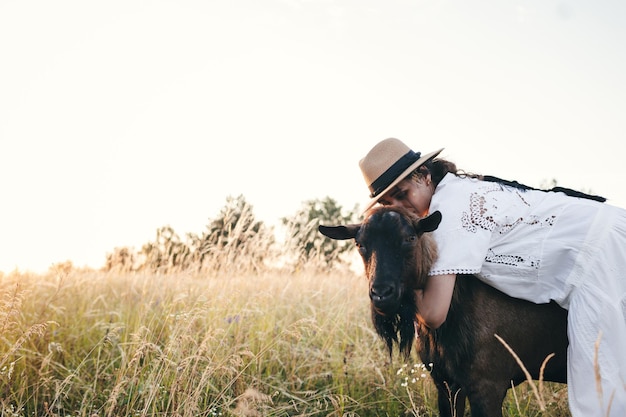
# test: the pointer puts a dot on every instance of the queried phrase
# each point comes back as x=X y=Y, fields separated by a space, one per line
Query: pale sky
x=119 y=117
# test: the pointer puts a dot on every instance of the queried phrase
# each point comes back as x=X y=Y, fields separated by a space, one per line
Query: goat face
x=397 y=258
x=387 y=242
x=394 y=254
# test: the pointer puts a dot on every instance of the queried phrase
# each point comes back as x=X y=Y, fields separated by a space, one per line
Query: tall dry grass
x=270 y=343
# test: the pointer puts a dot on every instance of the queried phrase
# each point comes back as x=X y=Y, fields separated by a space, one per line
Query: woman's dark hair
x=438 y=168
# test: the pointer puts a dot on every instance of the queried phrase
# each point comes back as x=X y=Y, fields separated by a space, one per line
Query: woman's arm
x=433 y=302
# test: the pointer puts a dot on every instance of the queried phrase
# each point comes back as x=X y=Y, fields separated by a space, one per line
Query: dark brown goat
x=467 y=359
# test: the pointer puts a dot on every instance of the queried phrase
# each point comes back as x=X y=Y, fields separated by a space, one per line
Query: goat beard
x=398 y=328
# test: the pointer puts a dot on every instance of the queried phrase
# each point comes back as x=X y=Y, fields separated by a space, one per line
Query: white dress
x=543 y=246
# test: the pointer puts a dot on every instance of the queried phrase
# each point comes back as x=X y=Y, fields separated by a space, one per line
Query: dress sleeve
x=462 y=244
x=460 y=251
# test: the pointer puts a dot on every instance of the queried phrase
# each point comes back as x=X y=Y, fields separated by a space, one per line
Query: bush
x=304 y=241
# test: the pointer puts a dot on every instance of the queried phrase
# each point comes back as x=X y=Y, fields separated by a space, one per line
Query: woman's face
x=414 y=195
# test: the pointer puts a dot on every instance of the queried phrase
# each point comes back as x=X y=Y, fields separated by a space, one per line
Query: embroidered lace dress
x=543 y=246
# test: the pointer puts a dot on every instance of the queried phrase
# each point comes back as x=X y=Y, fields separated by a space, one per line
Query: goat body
x=468 y=361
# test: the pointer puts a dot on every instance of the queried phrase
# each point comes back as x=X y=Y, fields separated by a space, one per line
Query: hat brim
x=402 y=176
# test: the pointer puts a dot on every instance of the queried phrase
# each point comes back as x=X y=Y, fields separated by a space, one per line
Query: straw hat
x=388 y=163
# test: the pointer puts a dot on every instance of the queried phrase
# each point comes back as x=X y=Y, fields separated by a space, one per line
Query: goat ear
x=429 y=223
x=348 y=231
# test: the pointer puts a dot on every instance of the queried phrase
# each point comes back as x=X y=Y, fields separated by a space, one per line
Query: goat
x=468 y=362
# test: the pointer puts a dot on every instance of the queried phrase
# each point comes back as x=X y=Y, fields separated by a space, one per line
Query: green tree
x=304 y=240
x=234 y=239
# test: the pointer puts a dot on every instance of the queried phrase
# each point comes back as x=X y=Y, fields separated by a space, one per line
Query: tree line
x=236 y=240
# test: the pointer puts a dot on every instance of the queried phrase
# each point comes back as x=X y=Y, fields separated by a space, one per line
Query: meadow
x=262 y=343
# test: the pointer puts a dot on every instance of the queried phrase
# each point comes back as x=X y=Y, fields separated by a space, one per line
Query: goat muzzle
x=384 y=298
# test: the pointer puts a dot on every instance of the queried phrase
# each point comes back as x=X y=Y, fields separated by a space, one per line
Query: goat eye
x=361 y=248
x=411 y=239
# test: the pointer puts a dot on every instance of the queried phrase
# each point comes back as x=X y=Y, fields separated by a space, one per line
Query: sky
x=120 y=117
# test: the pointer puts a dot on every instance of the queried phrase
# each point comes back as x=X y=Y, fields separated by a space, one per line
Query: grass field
x=89 y=343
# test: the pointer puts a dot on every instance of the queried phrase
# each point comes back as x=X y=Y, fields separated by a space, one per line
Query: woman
x=536 y=245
